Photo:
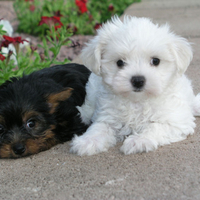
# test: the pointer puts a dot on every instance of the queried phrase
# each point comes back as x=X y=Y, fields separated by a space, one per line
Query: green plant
x=29 y=59
x=81 y=16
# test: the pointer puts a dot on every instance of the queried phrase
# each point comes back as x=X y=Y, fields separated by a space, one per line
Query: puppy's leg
x=98 y=138
x=156 y=134
x=196 y=105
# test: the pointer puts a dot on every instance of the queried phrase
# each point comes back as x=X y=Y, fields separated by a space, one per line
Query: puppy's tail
x=196 y=105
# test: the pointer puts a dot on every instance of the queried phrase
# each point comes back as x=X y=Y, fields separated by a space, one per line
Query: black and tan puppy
x=39 y=110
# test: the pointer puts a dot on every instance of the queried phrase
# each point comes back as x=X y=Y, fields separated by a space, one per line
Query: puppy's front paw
x=85 y=145
x=137 y=144
x=196 y=105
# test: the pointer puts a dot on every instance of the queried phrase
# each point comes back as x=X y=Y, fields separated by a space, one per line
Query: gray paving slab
x=182 y=15
x=171 y=172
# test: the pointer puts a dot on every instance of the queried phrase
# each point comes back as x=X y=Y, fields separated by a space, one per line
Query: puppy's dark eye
x=155 y=61
x=2 y=129
x=30 y=123
x=120 y=63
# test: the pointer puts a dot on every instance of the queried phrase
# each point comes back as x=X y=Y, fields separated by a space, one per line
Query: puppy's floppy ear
x=91 y=55
x=183 y=54
x=55 y=98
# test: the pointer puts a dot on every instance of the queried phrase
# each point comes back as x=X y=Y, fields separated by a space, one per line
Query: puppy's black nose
x=138 y=82
x=19 y=149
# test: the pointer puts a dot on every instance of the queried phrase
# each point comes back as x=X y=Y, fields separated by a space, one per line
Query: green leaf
x=53 y=50
x=2 y=32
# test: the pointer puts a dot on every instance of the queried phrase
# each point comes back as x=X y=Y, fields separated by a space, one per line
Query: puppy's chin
x=137 y=95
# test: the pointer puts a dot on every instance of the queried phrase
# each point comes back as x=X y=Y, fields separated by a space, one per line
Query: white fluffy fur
x=161 y=113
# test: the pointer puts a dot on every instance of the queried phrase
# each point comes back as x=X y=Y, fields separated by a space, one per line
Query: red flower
x=13 y=40
x=110 y=8
x=8 y=40
x=97 y=26
x=50 y=21
x=32 y=8
x=57 y=27
x=81 y=5
x=4 y=43
x=2 y=58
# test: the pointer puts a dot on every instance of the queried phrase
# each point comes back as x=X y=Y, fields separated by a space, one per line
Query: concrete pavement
x=171 y=172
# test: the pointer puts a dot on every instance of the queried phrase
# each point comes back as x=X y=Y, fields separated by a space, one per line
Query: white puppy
x=139 y=92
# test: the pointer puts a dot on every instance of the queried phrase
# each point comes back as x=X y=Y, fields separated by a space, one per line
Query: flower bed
x=60 y=25
x=80 y=16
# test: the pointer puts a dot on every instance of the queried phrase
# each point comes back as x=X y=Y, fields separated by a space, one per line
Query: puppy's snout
x=19 y=149
x=138 y=82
